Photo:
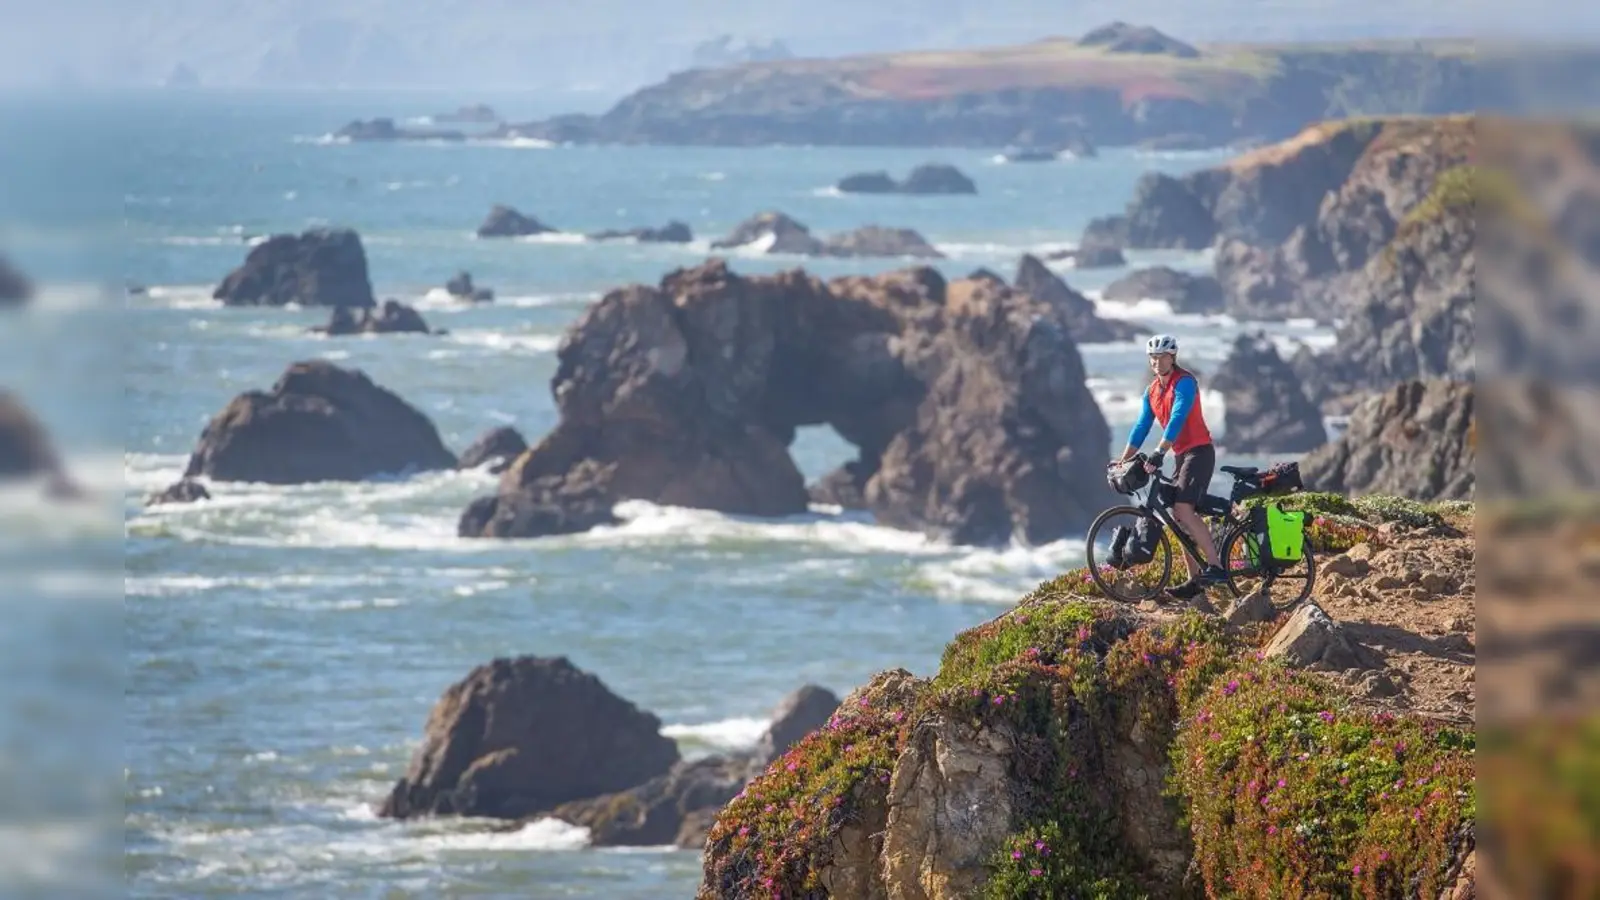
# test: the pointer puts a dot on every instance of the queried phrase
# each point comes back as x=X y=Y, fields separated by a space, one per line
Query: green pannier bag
x=1276 y=536
x=1286 y=534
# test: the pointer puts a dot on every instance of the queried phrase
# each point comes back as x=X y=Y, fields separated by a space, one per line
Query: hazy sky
x=616 y=45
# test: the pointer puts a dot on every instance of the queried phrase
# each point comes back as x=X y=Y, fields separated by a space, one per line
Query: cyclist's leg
x=1193 y=477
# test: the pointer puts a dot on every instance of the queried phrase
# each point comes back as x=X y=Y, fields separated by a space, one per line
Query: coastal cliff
x=1327 y=753
x=1115 y=86
x=1366 y=223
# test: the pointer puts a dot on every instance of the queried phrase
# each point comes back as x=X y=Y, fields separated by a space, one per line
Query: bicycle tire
x=1225 y=555
x=1094 y=565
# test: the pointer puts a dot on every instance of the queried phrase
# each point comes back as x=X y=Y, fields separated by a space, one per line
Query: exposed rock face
x=319 y=422
x=1415 y=319
x=1293 y=222
x=393 y=317
x=462 y=288
x=504 y=221
x=320 y=267
x=1187 y=294
x=1267 y=410
x=1083 y=322
x=521 y=736
x=1165 y=213
x=15 y=287
x=929 y=178
x=966 y=401
x=1415 y=440
x=774 y=232
x=501 y=445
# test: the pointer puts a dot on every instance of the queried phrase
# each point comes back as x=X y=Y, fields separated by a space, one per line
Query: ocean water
x=283 y=645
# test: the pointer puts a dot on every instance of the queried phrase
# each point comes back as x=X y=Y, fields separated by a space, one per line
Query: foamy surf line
x=727 y=734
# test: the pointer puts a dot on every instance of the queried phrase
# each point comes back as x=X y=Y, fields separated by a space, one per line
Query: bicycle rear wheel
x=1286 y=585
x=1133 y=583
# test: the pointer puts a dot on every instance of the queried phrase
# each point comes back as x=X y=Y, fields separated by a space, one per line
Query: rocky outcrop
x=1083 y=322
x=505 y=221
x=928 y=178
x=1093 y=254
x=966 y=401
x=319 y=267
x=1187 y=294
x=1418 y=298
x=876 y=240
x=1415 y=440
x=673 y=232
x=1121 y=37
x=1267 y=410
x=319 y=422
x=1293 y=223
x=1165 y=213
x=678 y=807
x=461 y=288
x=185 y=490
x=27 y=451
x=518 y=737
x=15 y=287
x=498 y=446
x=393 y=317
x=1075 y=747
x=775 y=232
x=384 y=129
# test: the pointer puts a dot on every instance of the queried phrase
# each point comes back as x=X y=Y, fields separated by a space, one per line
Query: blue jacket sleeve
x=1141 y=428
x=1183 y=400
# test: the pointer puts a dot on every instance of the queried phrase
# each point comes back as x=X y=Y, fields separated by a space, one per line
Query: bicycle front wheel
x=1286 y=584
x=1129 y=583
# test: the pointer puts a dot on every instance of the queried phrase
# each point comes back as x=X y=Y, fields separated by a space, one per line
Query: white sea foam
x=554 y=237
x=997 y=575
x=727 y=734
x=648 y=523
x=533 y=344
x=182 y=296
x=517 y=143
x=993 y=250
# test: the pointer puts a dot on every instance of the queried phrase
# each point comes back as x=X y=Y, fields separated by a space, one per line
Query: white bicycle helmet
x=1161 y=343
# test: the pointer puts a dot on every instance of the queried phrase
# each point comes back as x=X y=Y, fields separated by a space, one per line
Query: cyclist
x=1173 y=399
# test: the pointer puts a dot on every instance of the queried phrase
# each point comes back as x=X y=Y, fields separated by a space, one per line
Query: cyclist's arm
x=1141 y=428
x=1183 y=400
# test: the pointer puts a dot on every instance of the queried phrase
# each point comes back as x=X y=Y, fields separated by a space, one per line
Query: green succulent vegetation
x=1284 y=788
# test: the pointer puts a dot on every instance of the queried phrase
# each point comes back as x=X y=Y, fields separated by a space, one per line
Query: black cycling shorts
x=1195 y=468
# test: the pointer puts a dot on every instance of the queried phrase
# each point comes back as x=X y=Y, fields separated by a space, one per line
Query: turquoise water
x=283 y=646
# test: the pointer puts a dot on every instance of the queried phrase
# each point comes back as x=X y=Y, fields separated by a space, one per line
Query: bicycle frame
x=1153 y=504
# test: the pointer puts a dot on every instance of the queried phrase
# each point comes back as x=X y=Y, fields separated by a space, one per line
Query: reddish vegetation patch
x=926 y=82
x=1156 y=88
